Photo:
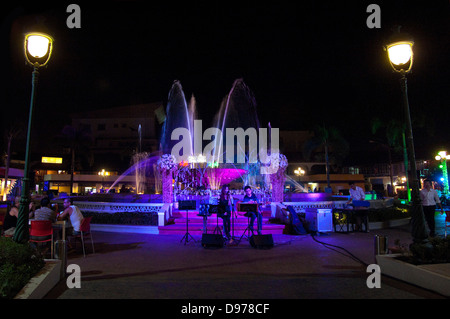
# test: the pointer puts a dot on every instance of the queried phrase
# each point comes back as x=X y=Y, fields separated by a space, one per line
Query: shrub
x=388 y=213
x=437 y=251
x=18 y=264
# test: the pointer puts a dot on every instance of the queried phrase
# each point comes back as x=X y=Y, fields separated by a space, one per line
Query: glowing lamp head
x=401 y=56
x=442 y=155
x=38 y=48
x=399 y=51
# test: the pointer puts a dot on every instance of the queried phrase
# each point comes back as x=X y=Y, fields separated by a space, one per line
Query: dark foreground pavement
x=158 y=267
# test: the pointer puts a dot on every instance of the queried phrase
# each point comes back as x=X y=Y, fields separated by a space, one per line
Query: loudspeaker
x=212 y=241
x=319 y=219
x=261 y=241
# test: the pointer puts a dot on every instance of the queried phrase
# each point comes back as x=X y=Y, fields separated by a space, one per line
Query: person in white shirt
x=430 y=198
x=72 y=213
x=361 y=214
x=356 y=192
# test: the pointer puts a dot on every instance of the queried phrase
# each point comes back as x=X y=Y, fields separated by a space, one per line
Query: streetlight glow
x=400 y=53
x=37 y=45
x=38 y=48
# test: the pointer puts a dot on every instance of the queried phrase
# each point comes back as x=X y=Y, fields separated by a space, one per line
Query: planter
x=43 y=282
x=435 y=277
x=389 y=223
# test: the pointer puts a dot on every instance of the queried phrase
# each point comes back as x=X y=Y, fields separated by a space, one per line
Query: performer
x=361 y=213
x=226 y=202
x=251 y=198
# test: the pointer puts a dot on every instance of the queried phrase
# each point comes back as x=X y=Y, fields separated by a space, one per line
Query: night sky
x=307 y=63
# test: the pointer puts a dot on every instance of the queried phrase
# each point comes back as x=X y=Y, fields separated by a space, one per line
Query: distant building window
x=101 y=127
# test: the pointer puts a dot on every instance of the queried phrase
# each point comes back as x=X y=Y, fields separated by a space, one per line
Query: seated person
x=251 y=198
x=45 y=212
x=10 y=222
x=73 y=214
x=225 y=200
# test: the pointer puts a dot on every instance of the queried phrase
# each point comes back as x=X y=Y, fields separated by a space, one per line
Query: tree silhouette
x=327 y=145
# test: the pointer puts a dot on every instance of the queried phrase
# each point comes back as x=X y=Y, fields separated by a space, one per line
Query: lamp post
x=400 y=55
x=299 y=172
x=443 y=157
x=38 y=49
x=103 y=173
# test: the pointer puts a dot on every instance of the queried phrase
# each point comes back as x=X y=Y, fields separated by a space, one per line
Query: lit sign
x=52 y=160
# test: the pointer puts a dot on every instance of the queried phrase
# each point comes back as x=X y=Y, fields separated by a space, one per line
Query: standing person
x=72 y=213
x=251 y=198
x=226 y=202
x=430 y=198
x=358 y=194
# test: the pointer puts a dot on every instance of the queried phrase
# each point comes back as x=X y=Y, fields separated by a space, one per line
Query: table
x=363 y=213
x=61 y=225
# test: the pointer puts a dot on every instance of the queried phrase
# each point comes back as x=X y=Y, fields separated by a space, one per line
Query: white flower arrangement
x=280 y=158
x=283 y=161
x=167 y=162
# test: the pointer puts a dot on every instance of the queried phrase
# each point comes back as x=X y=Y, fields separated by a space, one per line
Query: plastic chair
x=447 y=222
x=42 y=231
x=85 y=232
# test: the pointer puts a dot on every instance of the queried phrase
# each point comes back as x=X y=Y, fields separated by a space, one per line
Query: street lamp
x=299 y=172
x=38 y=50
x=103 y=173
x=443 y=157
x=400 y=55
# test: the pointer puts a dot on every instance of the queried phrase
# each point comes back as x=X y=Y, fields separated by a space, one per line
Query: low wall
x=300 y=206
x=163 y=210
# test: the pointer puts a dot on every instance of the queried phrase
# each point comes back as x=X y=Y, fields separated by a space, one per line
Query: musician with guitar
x=251 y=198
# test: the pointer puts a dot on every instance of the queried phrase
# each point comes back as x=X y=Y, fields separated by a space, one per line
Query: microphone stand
x=233 y=217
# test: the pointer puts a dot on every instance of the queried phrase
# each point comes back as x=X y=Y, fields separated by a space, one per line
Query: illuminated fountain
x=238 y=109
x=178 y=115
x=197 y=170
x=202 y=170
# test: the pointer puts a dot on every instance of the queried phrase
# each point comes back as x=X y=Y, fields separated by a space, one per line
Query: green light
x=442 y=156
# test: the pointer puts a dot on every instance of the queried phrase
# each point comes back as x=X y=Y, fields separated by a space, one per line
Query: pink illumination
x=221 y=176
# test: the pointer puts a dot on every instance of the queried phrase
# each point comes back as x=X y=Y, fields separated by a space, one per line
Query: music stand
x=245 y=207
x=233 y=217
x=216 y=209
x=187 y=205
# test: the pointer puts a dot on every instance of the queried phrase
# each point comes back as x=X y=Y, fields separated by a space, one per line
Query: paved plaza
x=149 y=266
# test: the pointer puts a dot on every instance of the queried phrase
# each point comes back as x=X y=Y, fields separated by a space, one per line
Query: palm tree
x=333 y=144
